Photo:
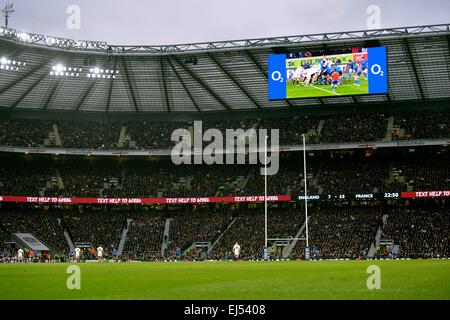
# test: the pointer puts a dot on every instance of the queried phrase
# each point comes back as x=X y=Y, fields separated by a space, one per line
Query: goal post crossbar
x=285 y=239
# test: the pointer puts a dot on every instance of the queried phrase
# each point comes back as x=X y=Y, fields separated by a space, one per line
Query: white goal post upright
x=266 y=239
x=306 y=197
x=265 y=192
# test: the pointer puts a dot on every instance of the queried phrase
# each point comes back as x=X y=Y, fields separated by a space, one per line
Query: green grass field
x=293 y=91
x=409 y=279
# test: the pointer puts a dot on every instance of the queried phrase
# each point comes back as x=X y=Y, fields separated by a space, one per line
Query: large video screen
x=356 y=71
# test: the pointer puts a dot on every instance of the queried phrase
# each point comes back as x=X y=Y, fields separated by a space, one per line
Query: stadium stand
x=341 y=232
x=43 y=225
x=24 y=176
x=368 y=127
x=327 y=172
x=354 y=128
x=145 y=236
x=97 y=228
x=151 y=135
x=335 y=231
x=421 y=125
x=26 y=133
x=248 y=231
x=345 y=173
x=188 y=228
x=419 y=232
x=89 y=135
x=291 y=129
x=426 y=172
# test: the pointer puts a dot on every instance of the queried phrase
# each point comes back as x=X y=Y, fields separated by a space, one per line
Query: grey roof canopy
x=215 y=76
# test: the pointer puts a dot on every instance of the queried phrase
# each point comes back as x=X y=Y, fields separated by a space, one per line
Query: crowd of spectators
x=220 y=180
x=145 y=235
x=248 y=231
x=157 y=135
x=152 y=179
x=151 y=135
x=354 y=128
x=191 y=227
x=87 y=178
x=429 y=172
x=335 y=232
x=291 y=129
x=340 y=232
x=421 y=125
x=43 y=225
x=89 y=135
x=419 y=232
x=288 y=180
x=26 y=133
x=334 y=172
x=97 y=228
x=345 y=173
x=26 y=178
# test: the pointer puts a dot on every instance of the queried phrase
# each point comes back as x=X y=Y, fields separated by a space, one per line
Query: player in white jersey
x=311 y=75
x=237 y=251
x=297 y=76
x=100 y=254
x=20 y=255
x=77 y=254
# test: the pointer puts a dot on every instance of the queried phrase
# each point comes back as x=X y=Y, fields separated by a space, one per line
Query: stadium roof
x=203 y=77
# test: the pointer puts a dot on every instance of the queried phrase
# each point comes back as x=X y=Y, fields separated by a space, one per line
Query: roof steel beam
x=103 y=47
x=202 y=83
x=407 y=47
x=85 y=94
x=58 y=82
x=24 y=76
x=35 y=83
x=127 y=76
x=164 y=83
x=233 y=79
x=111 y=84
x=184 y=86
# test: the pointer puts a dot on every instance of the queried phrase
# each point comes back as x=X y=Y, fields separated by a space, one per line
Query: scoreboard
x=353 y=196
x=377 y=196
x=345 y=72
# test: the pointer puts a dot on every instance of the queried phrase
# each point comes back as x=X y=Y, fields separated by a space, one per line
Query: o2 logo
x=276 y=76
x=377 y=70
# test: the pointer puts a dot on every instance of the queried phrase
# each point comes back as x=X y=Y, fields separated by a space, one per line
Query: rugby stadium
x=145 y=169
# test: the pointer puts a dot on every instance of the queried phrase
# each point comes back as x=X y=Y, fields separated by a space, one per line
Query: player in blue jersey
x=357 y=70
x=325 y=71
x=364 y=67
x=337 y=67
x=348 y=71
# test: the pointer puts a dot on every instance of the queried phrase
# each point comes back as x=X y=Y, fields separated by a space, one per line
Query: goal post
x=306 y=238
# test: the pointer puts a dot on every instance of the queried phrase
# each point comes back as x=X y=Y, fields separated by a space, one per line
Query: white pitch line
x=338 y=94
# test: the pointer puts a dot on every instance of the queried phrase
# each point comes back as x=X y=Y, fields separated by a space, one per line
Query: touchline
x=238 y=147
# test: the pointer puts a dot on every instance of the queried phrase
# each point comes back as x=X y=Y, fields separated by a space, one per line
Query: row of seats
x=157 y=135
x=332 y=173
